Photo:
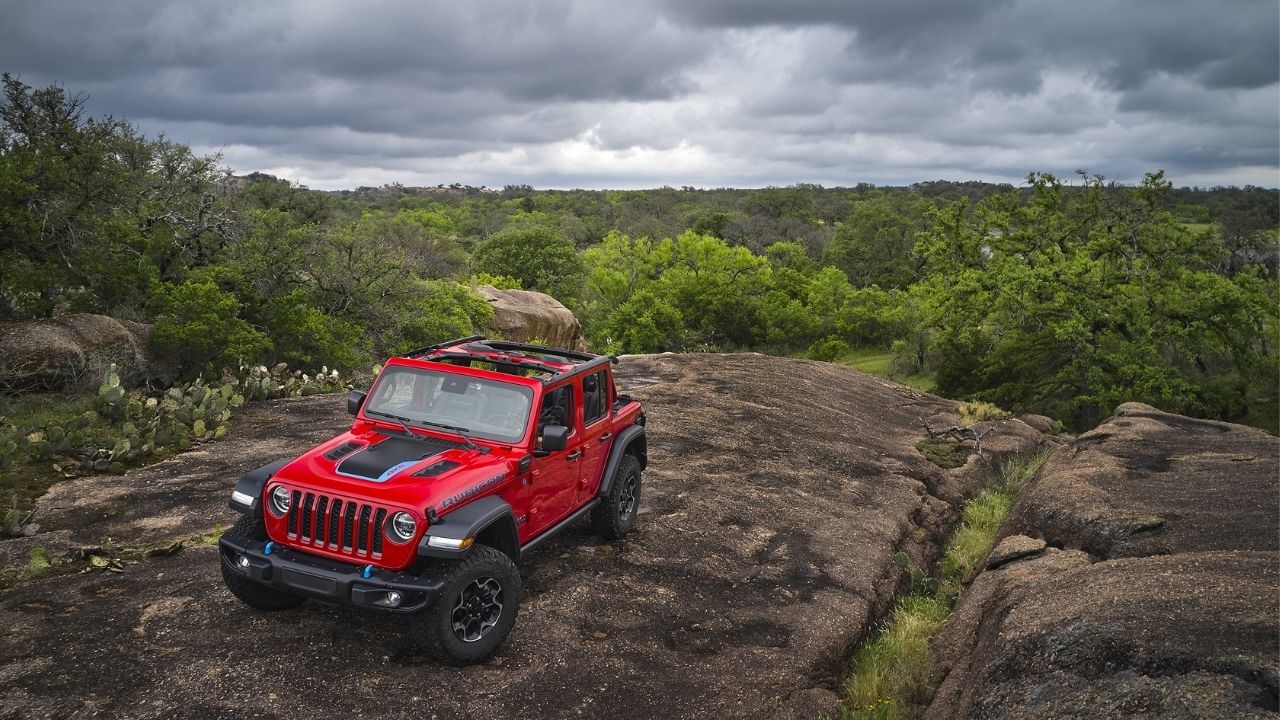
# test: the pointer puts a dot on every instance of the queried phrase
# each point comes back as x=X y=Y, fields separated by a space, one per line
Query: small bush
x=199 y=325
x=828 y=349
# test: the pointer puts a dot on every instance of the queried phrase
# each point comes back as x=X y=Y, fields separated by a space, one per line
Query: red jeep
x=462 y=457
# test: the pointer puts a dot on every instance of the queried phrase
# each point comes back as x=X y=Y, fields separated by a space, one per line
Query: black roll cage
x=586 y=361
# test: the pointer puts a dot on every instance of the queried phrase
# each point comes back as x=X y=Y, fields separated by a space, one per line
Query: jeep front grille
x=342 y=526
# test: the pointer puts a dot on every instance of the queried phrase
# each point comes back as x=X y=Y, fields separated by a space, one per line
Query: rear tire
x=616 y=512
x=476 y=610
x=255 y=595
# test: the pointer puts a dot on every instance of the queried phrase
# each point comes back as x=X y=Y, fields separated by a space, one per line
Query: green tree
x=91 y=213
x=540 y=257
x=1072 y=302
x=875 y=245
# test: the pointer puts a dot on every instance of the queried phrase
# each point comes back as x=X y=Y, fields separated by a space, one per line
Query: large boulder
x=525 y=315
x=1158 y=594
x=73 y=351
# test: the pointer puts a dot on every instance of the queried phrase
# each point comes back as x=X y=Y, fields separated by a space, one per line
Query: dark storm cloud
x=715 y=92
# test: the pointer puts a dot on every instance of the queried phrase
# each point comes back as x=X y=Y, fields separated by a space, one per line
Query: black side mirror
x=553 y=437
x=354 y=400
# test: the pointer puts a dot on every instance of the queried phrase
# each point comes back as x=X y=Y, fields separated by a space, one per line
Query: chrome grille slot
x=348 y=526
x=362 y=544
x=307 y=520
x=379 y=523
x=321 y=519
x=335 y=520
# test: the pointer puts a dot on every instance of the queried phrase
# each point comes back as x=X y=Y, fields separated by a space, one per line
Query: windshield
x=488 y=409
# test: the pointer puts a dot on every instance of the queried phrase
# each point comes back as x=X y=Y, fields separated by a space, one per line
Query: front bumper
x=324 y=579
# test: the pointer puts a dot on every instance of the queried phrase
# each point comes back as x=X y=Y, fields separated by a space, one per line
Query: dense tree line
x=1060 y=297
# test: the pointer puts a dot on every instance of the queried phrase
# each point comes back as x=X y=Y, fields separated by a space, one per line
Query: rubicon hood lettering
x=473 y=490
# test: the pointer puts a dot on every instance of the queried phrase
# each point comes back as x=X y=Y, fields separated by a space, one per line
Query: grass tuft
x=890 y=674
x=976 y=411
x=890 y=679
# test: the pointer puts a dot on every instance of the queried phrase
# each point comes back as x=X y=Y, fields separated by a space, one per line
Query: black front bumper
x=323 y=579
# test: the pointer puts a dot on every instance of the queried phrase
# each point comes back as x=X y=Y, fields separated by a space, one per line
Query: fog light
x=242 y=561
x=393 y=599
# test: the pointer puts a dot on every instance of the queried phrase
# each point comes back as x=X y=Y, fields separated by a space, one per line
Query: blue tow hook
x=368 y=572
x=267 y=550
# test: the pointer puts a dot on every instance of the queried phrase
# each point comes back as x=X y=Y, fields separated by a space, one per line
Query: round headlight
x=402 y=527
x=280 y=500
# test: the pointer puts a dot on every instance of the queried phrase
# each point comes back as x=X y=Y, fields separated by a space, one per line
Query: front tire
x=259 y=597
x=615 y=514
x=476 y=610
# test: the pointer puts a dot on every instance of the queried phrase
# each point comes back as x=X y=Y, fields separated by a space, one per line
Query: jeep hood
x=395 y=470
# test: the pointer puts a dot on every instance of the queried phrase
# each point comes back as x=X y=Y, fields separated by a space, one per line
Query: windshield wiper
x=404 y=422
x=462 y=432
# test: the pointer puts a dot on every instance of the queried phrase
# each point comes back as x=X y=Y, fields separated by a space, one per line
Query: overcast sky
x=642 y=93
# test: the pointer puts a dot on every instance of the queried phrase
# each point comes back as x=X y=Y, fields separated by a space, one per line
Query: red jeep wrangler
x=462 y=457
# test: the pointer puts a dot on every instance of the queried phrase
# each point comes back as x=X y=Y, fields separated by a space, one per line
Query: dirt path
x=777 y=495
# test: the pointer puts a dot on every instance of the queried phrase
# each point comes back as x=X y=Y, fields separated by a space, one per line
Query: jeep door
x=554 y=479
x=596 y=434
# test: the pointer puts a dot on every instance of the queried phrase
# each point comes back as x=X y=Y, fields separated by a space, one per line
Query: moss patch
x=944 y=453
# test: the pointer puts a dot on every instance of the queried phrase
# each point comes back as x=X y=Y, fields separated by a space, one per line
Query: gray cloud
x=719 y=92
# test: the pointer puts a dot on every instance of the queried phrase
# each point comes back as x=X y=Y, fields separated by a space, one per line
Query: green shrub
x=501 y=282
x=438 y=310
x=828 y=349
x=304 y=336
x=199 y=325
x=540 y=257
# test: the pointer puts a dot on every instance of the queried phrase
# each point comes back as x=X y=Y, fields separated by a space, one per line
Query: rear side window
x=595 y=396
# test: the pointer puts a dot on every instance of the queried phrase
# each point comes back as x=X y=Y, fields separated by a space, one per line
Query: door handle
x=573 y=455
x=605 y=437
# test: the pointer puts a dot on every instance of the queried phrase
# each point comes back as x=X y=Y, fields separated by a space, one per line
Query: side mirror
x=553 y=437
x=354 y=400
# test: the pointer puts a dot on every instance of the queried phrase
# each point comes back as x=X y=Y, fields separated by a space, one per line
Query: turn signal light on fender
x=449 y=543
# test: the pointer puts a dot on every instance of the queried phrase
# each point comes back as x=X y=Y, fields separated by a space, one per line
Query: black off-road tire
x=247 y=591
x=616 y=512
x=469 y=591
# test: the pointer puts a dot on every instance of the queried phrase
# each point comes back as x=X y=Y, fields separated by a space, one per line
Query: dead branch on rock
x=962 y=434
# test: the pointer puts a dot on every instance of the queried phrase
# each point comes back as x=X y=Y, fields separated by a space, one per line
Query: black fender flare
x=250 y=485
x=631 y=440
x=489 y=516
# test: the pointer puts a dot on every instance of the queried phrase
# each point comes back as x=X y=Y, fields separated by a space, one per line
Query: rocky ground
x=777 y=495
x=1140 y=579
